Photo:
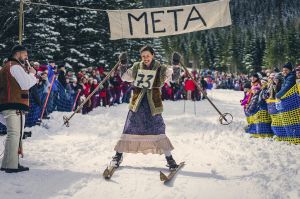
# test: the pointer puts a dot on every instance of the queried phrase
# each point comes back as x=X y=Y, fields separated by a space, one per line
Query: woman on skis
x=144 y=129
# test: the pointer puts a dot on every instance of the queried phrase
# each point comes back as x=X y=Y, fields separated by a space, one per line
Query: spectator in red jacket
x=189 y=86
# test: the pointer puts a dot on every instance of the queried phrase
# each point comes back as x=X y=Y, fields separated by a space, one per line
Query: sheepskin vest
x=154 y=94
x=11 y=95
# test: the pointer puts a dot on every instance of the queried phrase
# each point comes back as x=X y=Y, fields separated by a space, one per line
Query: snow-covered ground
x=221 y=161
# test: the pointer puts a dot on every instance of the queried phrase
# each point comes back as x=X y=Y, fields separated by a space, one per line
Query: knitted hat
x=247 y=85
x=288 y=66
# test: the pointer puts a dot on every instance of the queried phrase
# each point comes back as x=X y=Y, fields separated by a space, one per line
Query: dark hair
x=247 y=85
x=276 y=70
x=147 y=48
x=61 y=66
x=255 y=75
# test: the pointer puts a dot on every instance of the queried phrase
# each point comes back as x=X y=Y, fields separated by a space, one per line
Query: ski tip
x=106 y=173
x=163 y=177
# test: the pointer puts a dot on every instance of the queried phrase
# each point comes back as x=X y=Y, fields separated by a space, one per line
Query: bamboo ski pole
x=199 y=86
x=47 y=98
x=75 y=102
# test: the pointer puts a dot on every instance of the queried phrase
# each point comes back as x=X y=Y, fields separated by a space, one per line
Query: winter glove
x=176 y=58
x=123 y=58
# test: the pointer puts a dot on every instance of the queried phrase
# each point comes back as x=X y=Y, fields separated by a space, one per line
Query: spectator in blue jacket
x=289 y=79
x=54 y=91
x=254 y=102
x=51 y=70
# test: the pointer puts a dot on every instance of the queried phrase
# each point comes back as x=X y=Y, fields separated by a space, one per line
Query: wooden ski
x=108 y=172
x=166 y=178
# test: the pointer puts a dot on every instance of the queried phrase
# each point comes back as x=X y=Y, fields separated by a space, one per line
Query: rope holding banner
x=29 y=2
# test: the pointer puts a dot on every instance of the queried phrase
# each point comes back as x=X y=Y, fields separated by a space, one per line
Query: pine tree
x=8 y=27
x=292 y=44
x=269 y=60
x=41 y=33
x=204 y=58
x=249 y=53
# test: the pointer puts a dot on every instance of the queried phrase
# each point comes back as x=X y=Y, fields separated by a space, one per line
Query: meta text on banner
x=156 y=22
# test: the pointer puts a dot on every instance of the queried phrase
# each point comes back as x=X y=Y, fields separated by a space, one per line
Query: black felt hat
x=18 y=48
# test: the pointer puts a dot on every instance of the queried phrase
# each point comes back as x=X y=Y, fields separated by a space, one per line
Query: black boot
x=19 y=169
x=117 y=160
x=171 y=163
x=46 y=117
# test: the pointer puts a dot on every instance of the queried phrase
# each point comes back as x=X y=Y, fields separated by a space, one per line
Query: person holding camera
x=15 y=82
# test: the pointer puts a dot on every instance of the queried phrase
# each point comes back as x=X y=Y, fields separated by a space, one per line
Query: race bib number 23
x=145 y=79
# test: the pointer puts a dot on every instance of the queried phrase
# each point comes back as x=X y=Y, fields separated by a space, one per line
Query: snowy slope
x=221 y=161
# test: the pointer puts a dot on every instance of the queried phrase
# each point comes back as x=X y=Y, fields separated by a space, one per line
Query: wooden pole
x=21 y=15
x=199 y=86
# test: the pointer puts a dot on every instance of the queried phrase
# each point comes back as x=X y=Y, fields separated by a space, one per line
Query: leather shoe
x=19 y=169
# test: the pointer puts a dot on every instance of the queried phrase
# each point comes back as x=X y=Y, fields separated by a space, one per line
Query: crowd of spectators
x=60 y=88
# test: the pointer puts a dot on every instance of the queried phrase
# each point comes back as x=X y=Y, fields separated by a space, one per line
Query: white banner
x=157 y=22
